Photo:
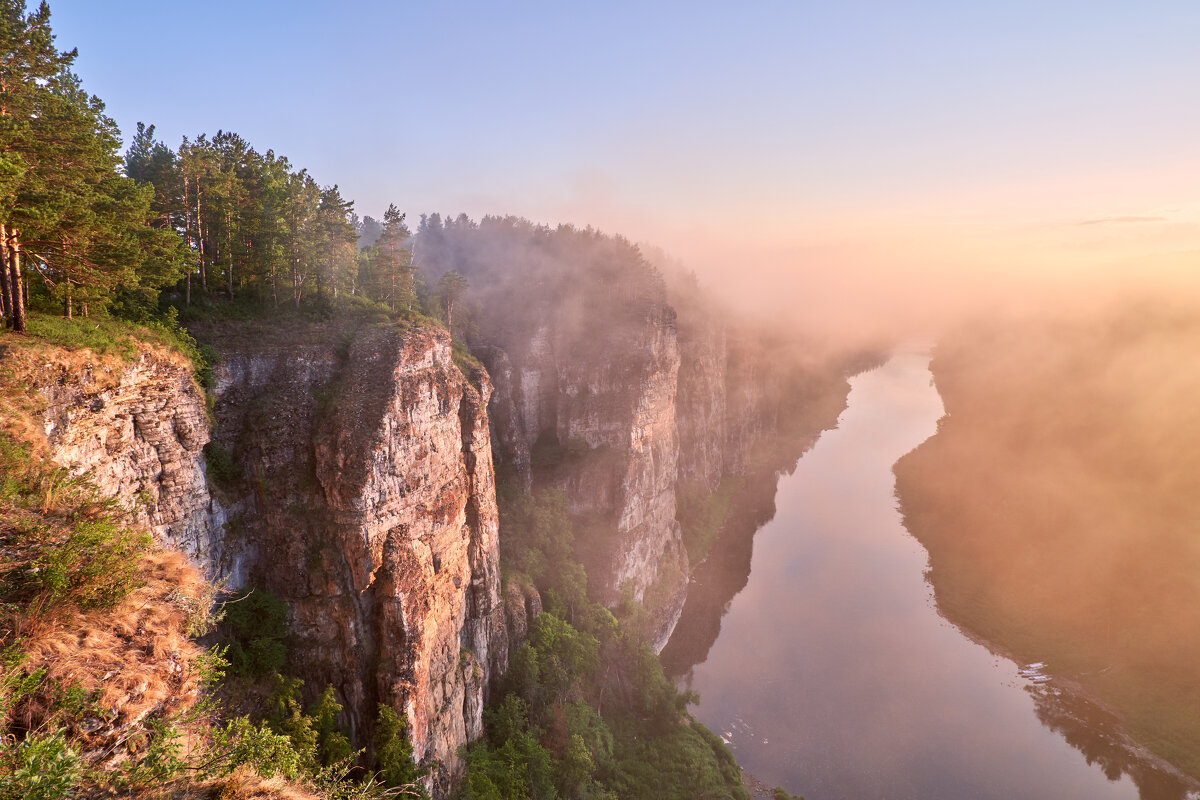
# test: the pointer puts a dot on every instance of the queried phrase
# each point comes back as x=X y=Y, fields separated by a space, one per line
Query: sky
x=814 y=150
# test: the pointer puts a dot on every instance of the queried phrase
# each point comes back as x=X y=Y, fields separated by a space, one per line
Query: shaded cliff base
x=1057 y=503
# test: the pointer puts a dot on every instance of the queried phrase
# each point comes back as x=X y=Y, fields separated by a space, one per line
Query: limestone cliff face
x=596 y=419
x=621 y=420
x=701 y=410
x=137 y=428
x=371 y=509
x=357 y=484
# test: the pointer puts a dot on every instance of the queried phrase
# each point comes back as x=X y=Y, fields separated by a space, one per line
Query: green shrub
x=393 y=751
x=221 y=467
x=332 y=744
x=40 y=767
x=96 y=567
x=242 y=743
x=256 y=626
x=703 y=513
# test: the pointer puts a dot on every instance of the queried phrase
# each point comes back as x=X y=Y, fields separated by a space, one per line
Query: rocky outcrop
x=352 y=476
x=621 y=420
x=137 y=428
x=367 y=501
x=351 y=473
x=596 y=419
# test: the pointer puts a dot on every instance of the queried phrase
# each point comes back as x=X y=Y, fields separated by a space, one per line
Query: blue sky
x=836 y=134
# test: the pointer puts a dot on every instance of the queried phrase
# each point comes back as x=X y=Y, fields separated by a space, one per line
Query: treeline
x=71 y=224
x=584 y=284
x=254 y=225
x=84 y=227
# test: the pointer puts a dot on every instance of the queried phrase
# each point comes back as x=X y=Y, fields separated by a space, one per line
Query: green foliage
x=162 y=760
x=256 y=627
x=268 y=752
x=565 y=656
x=393 y=751
x=40 y=767
x=703 y=513
x=95 y=567
x=221 y=467
x=332 y=743
x=538 y=533
x=584 y=710
x=70 y=552
x=287 y=718
x=547 y=727
x=100 y=335
x=780 y=793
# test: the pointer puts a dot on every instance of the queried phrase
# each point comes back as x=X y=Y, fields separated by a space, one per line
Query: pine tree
x=451 y=287
x=68 y=215
x=30 y=71
x=393 y=262
x=338 y=238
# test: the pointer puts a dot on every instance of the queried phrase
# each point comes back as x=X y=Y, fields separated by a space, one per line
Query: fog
x=1059 y=499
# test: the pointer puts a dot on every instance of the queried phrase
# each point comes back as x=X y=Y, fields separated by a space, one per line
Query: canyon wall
x=598 y=423
x=367 y=502
x=351 y=474
x=137 y=428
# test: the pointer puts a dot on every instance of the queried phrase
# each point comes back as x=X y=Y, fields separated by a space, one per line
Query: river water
x=833 y=675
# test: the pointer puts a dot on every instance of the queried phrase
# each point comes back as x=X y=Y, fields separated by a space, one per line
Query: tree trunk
x=13 y=243
x=6 y=309
x=332 y=272
x=200 y=239
x=274 y=280
x=229 y=245
x=70 y=311
x=187 y=234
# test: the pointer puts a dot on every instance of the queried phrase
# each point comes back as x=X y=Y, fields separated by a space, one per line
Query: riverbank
x=1056 y=503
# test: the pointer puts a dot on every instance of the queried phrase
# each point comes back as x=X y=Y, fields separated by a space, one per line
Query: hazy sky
x=842 y=143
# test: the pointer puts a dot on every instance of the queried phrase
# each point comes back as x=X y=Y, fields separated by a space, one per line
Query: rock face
x=355 y=480
x=371 y=509
x=618 y=422
x=351 y=473
x=138 y=430
x=596 y=419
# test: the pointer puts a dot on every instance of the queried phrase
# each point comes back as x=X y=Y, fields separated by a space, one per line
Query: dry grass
x=135 y=660
x=242 y=784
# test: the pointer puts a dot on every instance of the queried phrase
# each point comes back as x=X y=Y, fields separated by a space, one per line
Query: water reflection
x=832 y=674
x=1097 y=734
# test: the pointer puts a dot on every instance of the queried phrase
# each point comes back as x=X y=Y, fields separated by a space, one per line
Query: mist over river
x=834 y=676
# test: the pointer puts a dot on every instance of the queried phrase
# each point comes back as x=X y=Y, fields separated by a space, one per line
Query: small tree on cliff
x=451 y=287
x=394 y=752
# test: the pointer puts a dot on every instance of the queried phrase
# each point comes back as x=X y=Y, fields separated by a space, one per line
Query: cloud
x=1110 y=220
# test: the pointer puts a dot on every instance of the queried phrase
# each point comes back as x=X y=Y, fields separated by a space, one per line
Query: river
x=833 y=675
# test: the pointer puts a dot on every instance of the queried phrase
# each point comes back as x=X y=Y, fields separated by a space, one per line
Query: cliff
x=137 y=428
x=350 y=472
x=598 y=423
x=367 y=501
x=353 y=478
